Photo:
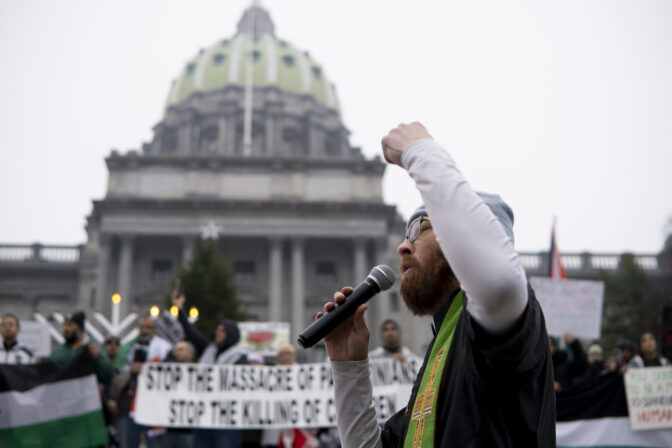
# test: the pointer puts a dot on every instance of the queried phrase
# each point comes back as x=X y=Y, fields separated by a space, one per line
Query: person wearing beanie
x=487 y=377
x=391 y=348
x=76 y=341
x=223 y=349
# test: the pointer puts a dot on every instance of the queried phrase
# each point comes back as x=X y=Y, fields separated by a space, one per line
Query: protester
x=623 y=354
x=147 y=347
x=110 y=406
x=255 y=359
x=155 y=347
x=487 y=379
x=648 y=355
x=285 y=355
x=77 y=341
x=596 y=368
x=12 y=351
x=391 y=348
x=566 y=368
x=222 y=350
x=183 y=351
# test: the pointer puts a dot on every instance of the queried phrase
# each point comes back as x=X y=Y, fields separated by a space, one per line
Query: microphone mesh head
x=383 y=276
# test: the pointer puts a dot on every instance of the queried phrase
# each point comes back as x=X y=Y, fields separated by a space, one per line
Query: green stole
x=423 y=418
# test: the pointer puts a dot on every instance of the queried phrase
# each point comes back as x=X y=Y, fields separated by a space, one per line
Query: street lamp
x=116 y=308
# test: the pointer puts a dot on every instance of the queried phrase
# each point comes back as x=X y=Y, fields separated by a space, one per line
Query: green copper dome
x=275 y=63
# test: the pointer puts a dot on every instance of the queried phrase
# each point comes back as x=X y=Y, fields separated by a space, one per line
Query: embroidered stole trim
x=423 y=417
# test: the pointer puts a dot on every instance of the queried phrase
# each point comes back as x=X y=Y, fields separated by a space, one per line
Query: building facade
x=252 y=151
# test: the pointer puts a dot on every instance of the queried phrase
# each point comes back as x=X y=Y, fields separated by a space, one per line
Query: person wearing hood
x=223 y=349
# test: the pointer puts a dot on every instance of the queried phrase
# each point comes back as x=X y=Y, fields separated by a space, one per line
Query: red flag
x=557 y=269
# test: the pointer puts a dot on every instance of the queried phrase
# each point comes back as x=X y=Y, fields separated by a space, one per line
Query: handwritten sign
x=573 y=306
x=229 y=396
x=263 y=337
x=649 y=392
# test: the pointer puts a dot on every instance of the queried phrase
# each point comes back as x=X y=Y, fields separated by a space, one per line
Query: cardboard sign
x=231 y=396
x=649 y=392
x=570 y=306
x=263 y=337
x=35 y=336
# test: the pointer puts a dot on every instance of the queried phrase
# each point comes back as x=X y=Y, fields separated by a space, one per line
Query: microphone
x=380 y=279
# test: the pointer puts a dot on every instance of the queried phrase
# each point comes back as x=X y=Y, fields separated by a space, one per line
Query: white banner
x=35 y=336
x=570 y=306
x=229 y=396
x=649 y=392
x=263 y=337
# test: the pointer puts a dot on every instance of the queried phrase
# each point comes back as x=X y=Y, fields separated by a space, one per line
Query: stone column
x=103 y=262
x=298 y=287
x=222 y=133
x=188 y=244
x=383 y=310
x=269 y=135
x=275 y=280
x=184 y=138
x=125 y=277
x=359 y=260
x=230 y=136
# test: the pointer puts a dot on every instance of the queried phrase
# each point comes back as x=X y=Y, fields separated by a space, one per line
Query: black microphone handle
x=323 y=326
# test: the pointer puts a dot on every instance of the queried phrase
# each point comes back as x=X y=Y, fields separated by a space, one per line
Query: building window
x=218 y=58
x=317 y=71
x=191 y=68
x=244 y=271
x=288 y=60
x=169 y=140
x=332 y=144
x=325 y=272
x=162 y=271
x=208 y=139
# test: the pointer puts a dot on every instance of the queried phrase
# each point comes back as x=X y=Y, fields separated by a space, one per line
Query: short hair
x=189 y=346
x=112 y=338
x=389 y=321
x=285 y=347
x=13 y=316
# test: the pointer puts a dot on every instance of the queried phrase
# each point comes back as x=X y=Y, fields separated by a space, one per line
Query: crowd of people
x=117 y=366
x=490 y=376
x=577 y=369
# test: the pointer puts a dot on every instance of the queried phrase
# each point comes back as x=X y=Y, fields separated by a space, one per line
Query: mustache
x=408 y=262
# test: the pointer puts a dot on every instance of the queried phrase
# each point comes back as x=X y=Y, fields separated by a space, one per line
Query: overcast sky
x=562 y=107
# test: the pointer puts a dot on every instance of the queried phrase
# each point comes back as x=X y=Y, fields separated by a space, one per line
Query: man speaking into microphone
x=487 y=377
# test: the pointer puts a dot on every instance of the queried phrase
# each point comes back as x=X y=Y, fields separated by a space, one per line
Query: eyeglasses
x=415 y=229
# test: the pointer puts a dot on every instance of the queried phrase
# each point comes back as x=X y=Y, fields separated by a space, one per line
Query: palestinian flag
x=51 y=405
x=598 y=417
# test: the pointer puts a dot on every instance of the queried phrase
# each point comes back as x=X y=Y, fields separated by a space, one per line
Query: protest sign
x=233 y=396
x=649 y=392
x=570 y=306
x=263 y=337
x=35 y=336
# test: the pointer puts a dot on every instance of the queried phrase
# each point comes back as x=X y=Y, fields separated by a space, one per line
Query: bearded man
x=487 y=377
x=76 y=341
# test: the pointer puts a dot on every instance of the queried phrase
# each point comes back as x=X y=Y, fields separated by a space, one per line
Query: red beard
x=425 y=288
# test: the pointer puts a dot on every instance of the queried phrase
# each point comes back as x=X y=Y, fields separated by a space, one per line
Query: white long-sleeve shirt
x=480 y=254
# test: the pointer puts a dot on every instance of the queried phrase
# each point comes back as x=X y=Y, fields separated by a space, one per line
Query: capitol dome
x=276 y=62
